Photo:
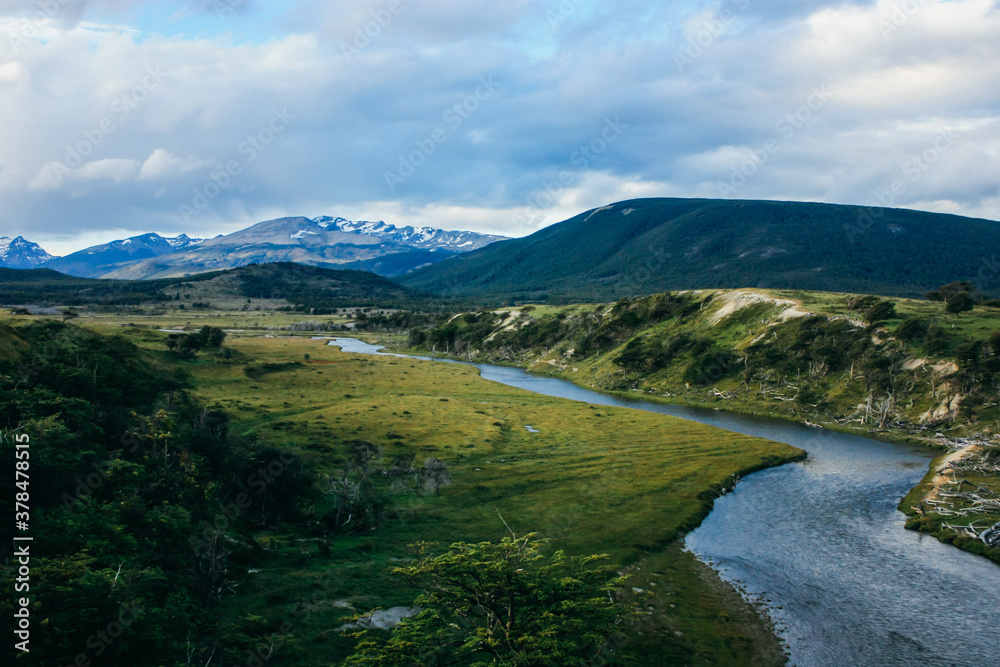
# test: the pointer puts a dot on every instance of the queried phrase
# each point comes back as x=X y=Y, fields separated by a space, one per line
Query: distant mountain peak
x=20 y=253
x=417 y=237
x=99 y=259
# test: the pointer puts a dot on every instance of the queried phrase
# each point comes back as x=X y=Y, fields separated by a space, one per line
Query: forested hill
x=299 y=287
x=646 y=246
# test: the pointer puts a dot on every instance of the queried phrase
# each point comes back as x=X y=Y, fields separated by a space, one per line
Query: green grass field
x=193 y=319
x=593 y=479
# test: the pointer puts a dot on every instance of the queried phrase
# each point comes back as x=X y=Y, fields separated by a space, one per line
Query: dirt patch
x=739 y=299
x=945 y=469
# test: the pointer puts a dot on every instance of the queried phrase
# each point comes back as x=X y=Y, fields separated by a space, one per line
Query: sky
x=202 y=117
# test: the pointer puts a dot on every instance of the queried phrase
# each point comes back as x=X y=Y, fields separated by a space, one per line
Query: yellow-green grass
x=593 y=479
x=543 y=310
x=195 y=319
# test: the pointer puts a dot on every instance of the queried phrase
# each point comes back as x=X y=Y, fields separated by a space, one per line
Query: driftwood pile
x=961 y=499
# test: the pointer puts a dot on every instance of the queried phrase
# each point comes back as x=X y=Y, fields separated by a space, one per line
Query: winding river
x=821 y=545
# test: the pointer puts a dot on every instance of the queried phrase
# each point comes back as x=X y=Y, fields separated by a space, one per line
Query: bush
x=709 y=365
x=936 y=342
x=505 y=603
x=912 y=329
x=880 y=312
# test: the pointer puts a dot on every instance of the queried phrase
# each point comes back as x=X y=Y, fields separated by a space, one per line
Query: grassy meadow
x=592 y=479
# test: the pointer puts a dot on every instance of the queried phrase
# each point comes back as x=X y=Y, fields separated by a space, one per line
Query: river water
x=821 y=545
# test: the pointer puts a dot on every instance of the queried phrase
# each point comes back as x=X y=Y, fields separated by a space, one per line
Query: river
x=821 y=545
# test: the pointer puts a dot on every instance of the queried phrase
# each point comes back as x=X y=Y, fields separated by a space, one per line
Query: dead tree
x=436 y=475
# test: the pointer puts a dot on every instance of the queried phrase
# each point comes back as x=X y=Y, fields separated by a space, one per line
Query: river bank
x=821 y=545
x=898 y=369
x=922 y=516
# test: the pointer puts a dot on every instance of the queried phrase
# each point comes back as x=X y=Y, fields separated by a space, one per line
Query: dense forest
x=137 y=494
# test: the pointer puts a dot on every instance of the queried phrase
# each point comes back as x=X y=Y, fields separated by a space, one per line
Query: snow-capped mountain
x=417 y=237
x=98 y=260
x=324 y=241
x=19 y=253
x=182 y=241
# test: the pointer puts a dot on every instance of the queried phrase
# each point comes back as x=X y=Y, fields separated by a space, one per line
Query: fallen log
x=991 y=536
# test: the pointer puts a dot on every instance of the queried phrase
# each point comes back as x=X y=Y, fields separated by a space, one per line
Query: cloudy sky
x=119 y=117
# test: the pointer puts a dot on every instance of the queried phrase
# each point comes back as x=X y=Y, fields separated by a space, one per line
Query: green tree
x=880 y=311
x=186 y=345
x=858 y=303
x=633 y=357
x=210 y=337
x=912 y=329
x=945 y=292
x=505 y=603
x=960 y=302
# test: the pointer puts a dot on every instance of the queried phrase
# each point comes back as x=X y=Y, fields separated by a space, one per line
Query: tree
x=880 y=311
x=362 y=454
x=436 y=475
x=186 y=345
x=857 y=303
x=945 y=292
x=505 y=604
x=210 y=337
x=633 y=357
x=912 y=329
x=69 y=315
x=960 y=302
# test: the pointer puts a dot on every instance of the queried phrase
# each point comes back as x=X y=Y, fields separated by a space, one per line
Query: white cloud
x=49 y=177
x=141 y=117
x=592 y=190
x=54 y=175
x=162 y=165
x=13 y=74
x=118 y=170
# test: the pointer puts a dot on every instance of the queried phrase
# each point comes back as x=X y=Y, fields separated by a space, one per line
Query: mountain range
x=646 y=246
x=630 y=248
x=100 y=260
x=324 y=241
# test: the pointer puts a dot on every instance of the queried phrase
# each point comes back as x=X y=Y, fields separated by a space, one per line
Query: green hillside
x=287 y=285
x=647 y=246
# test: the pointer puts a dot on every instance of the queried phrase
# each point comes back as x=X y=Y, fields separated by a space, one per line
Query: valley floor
x=593 y=480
